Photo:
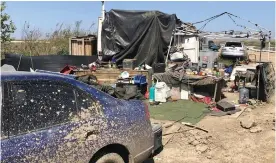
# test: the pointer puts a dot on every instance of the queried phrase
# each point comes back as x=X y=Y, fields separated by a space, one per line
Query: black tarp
x=47 y=62
x=140 y=35
x=267 y=81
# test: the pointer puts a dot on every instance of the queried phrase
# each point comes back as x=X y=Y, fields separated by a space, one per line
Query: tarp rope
x=261 y=29
x=246 y=28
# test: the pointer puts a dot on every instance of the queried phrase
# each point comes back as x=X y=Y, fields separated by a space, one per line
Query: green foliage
x=7 y=26
x=35 y=43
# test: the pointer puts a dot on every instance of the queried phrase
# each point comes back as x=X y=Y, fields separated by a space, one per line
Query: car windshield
x=235 y=44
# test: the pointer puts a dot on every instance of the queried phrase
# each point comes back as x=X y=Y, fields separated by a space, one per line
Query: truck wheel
x=110 y=158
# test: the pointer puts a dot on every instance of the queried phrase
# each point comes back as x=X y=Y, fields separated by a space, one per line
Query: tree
x=7 y=26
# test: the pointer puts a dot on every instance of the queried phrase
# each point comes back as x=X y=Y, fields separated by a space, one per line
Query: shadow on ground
x=149 y=161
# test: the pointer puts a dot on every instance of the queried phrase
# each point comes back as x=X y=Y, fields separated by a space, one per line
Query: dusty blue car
x=54 y=118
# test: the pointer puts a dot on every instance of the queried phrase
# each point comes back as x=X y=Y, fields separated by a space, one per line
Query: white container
x=189 y=44
x=184 y=93
x=162 y=92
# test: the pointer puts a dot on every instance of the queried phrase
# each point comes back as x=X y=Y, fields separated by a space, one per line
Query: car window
x=235 y=44
x=40 y=105
x=4 y=111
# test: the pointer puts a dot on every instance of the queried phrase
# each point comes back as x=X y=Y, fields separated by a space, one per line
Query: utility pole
x=103 y=11
x=99 y=40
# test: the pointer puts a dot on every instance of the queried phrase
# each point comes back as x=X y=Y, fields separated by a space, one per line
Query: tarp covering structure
x=47 y=62
x=267 y=81
x=140 y=35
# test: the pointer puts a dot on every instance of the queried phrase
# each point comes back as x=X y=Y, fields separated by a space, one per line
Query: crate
x=129 y=63
x=225 y=106
x=83 y=46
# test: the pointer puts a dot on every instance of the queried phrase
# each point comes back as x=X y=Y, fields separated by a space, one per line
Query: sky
x=45 y=15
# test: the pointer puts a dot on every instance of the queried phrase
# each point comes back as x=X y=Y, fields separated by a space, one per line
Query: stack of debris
x=187 y=28
x=125 y=93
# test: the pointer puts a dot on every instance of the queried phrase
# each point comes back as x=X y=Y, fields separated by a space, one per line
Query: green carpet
x=192 y=111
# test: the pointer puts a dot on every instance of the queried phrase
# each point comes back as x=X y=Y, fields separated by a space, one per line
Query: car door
x=93 y=130
x=40 y=115
x=4 y=118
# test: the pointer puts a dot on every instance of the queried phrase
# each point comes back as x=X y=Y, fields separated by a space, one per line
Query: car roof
x=24 y=75
x=233 y=41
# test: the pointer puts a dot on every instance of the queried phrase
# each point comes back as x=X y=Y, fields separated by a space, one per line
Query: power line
x=209 y=18
x=242 y=26
x=229 y=14
x=257 y=25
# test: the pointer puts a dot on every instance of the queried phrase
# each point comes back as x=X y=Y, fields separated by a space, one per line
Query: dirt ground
x=226 y=141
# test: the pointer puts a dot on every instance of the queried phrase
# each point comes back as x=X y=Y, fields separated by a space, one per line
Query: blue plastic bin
x=140 y=79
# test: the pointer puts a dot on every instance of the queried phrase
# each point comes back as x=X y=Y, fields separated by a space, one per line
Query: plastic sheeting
x=267 y=81
x=47 y=62
x=140 y=35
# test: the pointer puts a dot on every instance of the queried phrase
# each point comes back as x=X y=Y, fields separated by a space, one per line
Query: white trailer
x=189 y=44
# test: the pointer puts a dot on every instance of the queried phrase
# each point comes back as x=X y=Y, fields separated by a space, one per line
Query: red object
x=93 y=68
x=205 y=100
x=68 y=69
x=147 y=94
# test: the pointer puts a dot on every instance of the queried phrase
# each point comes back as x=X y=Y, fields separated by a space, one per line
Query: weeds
x=34 y=42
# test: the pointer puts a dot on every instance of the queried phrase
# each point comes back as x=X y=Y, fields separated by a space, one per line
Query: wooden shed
x=83 y=46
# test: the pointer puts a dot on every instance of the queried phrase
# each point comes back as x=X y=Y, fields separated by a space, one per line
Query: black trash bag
x=88 y=79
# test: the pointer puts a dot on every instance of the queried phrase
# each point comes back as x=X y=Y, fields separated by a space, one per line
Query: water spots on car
x=20 y=91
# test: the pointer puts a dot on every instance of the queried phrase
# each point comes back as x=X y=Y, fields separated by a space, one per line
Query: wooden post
x=268 y=50
x=258 y=90
x=83 y=46
x=215 y=93
x=70 y=46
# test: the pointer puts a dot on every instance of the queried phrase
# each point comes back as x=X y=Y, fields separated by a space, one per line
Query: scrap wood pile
x=187 y=28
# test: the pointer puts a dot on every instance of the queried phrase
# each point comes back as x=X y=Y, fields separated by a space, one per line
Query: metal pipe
x=169 y=48
x=103 y=11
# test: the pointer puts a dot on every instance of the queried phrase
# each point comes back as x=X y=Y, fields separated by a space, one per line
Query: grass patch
x=192 y=111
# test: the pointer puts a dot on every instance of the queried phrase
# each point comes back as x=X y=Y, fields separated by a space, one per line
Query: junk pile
x=125 y=92
x=136 y=48
x=178 y=55
x=187 y=28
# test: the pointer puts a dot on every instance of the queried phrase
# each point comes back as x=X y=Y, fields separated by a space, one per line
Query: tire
x=110 y=158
